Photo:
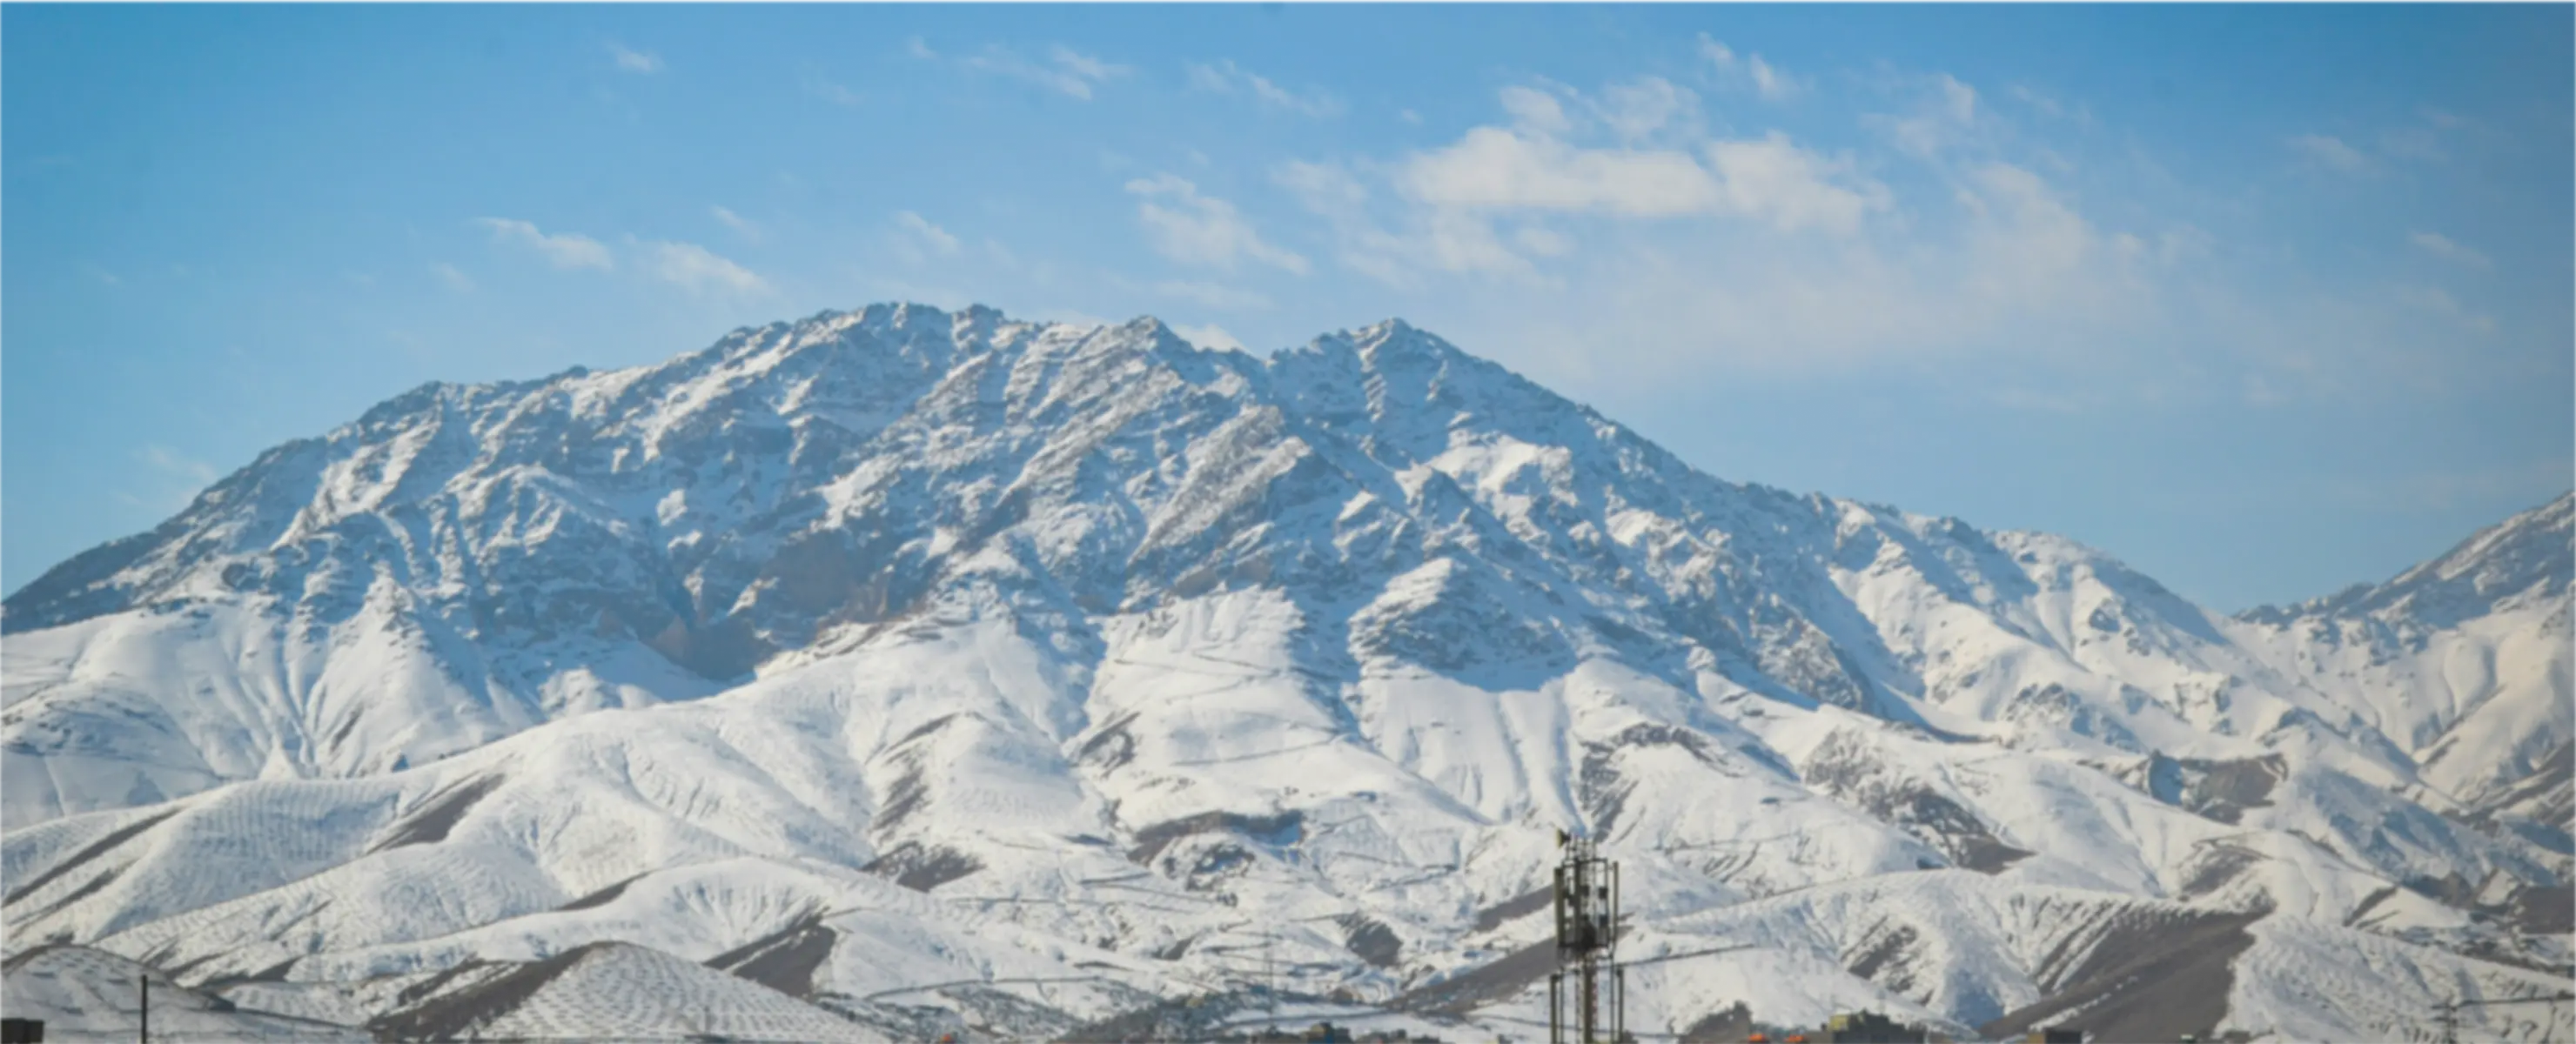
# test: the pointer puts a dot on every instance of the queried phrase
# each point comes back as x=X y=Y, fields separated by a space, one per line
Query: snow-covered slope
x=958 y=674
x=619 y=991
x=2462 y=661
x=83 y=994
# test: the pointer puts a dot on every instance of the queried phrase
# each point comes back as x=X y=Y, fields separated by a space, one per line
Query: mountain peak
x=1165 y=642
x=2531 y=555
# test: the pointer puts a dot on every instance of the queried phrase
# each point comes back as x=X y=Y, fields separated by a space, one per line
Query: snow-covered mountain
x=952 y=673
x=2462 y=661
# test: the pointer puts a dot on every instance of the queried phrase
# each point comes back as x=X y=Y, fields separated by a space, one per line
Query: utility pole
x=1587 y=937
x=146 y=979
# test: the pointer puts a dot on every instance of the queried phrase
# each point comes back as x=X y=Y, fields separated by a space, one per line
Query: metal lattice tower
x=1587 y=937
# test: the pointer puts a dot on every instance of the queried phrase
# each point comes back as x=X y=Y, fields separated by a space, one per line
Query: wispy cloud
x=2047 y=105
x=698 y=270
x=919 y=237
x=740 y=224
x=2443 y=247
x=1066 y=71
x=2330 y=153
x=1535 y=110
x=452 y=277
x=177 y=476
x=1530 y=167
x=1193 y=228
x=2514 y=483
x=1209 y=336
x=1646 y=107
x=1225 y=77
x=1214 y=295
x=563 y=250
x=1942 y=117
x=1739 y=251
x=634 y=61
x=2439 y=302
x=831 y=92
x=1770 y=81
x=171 y=462
x=1433 y=238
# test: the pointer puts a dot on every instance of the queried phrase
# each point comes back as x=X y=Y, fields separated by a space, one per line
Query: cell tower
x=1587 y=936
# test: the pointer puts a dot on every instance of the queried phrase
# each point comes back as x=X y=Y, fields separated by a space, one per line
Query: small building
x=1868 y=1027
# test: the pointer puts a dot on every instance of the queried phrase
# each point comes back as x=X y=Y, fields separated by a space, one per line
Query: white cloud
x=832 y=92
x=1214 y=295
x=1447 y=239
x=2414 y=143
x=699 y=271
x=2443 y=247
x=2331 y=153
x=1067 y=71
x=920 y=48
x=170 y=462
x=1944 y=115
x=2078 y=113
x=454 y=279
x=1084 y=65
x=563 y=250
x=1071 y=317
x=1535 y=111
x=1542 y=242
x=645 y=62
x=1500 y=168
x=736 y=222
x=1226 y=78
x=1773 y=180
x=1601 y=237
x=924 y=235
x=1324 y=188
x=1453 y=196
x=1770 y=81
x=1209 y=336
x=1644 y=107
x=2019 y=270
x=1769 y=179
x=2440 y=302
x=1200 y=229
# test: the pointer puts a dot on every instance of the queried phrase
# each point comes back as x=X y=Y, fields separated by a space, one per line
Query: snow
x=962 y=674
x=83 y=994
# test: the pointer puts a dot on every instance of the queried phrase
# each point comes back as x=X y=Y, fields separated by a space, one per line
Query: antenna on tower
x=1587 y=938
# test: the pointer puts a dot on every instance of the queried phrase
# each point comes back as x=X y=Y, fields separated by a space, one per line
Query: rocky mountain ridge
x=1139 y=657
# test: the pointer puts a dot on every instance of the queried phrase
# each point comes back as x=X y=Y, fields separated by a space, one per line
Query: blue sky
x=2263 y=300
